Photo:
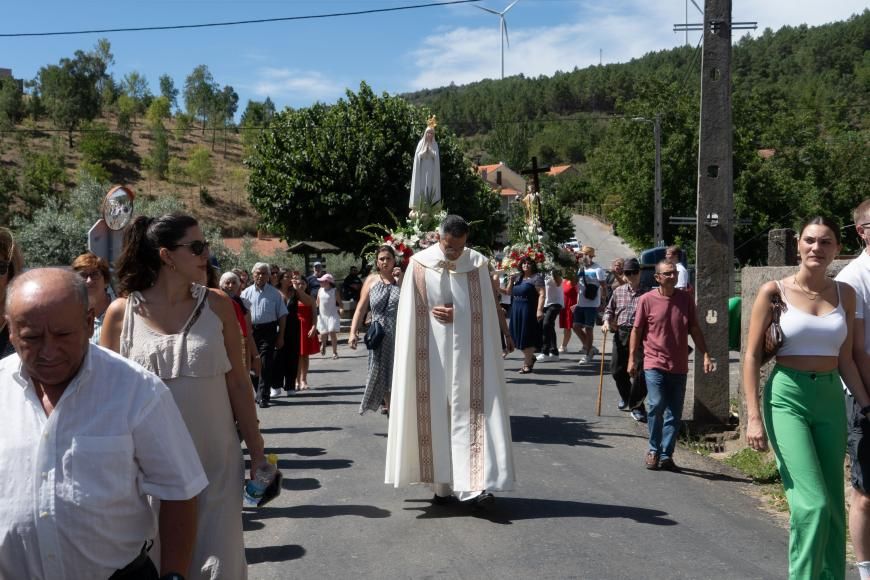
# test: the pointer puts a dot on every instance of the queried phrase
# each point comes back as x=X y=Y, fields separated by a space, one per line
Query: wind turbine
x=502 y=29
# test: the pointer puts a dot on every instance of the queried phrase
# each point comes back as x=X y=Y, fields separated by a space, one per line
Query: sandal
x=525 y=370
x=334 y=357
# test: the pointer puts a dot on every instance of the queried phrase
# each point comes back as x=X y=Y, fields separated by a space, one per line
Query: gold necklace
x=807 y=292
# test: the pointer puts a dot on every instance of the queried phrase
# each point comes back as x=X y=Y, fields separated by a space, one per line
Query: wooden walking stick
x=601 y=374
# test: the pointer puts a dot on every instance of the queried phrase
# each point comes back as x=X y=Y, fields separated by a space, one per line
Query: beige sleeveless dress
x=193 y=364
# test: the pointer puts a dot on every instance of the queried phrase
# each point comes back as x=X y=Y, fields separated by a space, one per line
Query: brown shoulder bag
x=773 y=336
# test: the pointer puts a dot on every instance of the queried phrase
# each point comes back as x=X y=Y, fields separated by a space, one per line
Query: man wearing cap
x=268 y=317
x=592 y=295
x=619 y=319
x=313 y=281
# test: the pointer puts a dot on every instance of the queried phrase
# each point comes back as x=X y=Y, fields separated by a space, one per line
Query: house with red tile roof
x=505 y=181
x=560 y=170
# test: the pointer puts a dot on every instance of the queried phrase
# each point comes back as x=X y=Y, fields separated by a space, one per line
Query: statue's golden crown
x=432 y=122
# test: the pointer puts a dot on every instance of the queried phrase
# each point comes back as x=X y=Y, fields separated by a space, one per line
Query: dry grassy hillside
x=225 y=204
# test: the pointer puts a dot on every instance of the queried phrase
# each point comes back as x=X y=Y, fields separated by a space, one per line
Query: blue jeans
x=665 y=395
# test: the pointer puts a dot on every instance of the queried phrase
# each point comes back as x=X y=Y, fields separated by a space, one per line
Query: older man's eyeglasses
x=197 y=247
x=668 y=274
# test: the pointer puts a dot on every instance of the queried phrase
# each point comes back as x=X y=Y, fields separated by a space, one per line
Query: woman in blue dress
x=527 y=310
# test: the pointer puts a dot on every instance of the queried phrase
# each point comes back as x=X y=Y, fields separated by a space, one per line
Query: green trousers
x=805 y=419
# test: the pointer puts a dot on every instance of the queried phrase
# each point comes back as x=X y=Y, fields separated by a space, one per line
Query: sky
x=297 y=63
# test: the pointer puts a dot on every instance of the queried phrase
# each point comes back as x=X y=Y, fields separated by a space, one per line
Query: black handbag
x=375 y=333
x=590 y=291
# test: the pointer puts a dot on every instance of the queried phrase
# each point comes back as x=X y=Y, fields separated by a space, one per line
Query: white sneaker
x=541 y=357
x=583 y=360
x=275 y=393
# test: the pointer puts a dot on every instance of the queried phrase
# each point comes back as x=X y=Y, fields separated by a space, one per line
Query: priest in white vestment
x=449 y=420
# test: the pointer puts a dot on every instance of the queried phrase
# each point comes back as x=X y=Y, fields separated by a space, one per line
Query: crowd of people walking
x=201 y=350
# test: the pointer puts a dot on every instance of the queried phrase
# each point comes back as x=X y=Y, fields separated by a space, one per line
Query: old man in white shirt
x=85 y=437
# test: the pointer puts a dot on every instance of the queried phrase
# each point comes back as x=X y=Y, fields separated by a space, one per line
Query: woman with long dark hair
x=803 y=405
x=527 y=311
x=289 y=355
x=11 y=264
x=308 y=342
x=380 y=293
x=188 y=335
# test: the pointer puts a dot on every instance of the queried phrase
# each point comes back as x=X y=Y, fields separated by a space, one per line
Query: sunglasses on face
x=197 y=247
x=92 y=274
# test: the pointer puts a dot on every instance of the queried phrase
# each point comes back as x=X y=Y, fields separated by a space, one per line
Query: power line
x=236 y=22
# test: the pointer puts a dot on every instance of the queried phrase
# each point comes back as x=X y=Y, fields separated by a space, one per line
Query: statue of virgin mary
x=426 y=175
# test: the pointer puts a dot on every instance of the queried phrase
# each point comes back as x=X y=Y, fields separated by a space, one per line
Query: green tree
x=255 y=118
x=157 y=111
x=135 y=86
x=8 y=189
x=199 y=91
x=348 y=165
x=11 y=105
x=199 y=166
x=42 y=176
x=100 y=146
x=105 y=84
x=158 y=158
x=69 y=91
x=126 y=114
x=168 y=90
x=183 y=122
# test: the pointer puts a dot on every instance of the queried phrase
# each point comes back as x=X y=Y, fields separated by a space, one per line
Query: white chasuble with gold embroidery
x=449 y=421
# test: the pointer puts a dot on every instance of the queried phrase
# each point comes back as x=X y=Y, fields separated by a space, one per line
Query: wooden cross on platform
x=534 y=172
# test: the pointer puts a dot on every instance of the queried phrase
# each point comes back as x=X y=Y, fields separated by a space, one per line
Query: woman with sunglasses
x=803 y=405
x=11 y=264
x=94 y=270
x=188 y=335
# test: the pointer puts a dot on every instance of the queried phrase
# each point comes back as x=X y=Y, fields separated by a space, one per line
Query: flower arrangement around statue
x=418 y=232
x=529 y=239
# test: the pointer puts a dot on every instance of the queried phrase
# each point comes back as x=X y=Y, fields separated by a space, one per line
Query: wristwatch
x=172 y=576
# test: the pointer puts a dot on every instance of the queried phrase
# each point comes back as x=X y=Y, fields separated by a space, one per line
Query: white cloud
x=622 y=29
x=296 y=85
x=466 y=54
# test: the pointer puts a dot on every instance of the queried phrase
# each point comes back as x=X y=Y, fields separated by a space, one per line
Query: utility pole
x=658 y=228
x=714 y=246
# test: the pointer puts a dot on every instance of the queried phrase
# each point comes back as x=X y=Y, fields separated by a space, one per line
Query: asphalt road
x=584 y=506
x=591 y=232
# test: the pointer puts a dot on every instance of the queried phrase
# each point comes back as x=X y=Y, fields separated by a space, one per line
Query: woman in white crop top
x=803 y=406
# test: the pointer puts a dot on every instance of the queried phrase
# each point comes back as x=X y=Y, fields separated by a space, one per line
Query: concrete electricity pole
x=658 y=228
x=714 y=264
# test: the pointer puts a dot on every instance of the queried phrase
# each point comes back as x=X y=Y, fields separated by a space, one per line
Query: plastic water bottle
x=255 y=488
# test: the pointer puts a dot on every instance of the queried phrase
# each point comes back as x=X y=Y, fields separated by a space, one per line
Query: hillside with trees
x=76 y=122
x=800 y=108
